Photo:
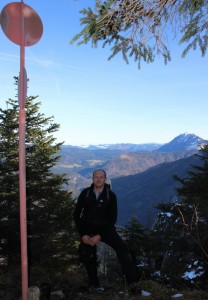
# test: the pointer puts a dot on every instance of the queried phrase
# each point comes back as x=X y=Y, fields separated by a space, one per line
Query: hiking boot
x=134 y=289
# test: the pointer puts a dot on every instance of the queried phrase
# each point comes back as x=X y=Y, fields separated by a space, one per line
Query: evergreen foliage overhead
x=140 y=29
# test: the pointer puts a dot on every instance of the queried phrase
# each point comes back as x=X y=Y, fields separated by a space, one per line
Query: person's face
x=99 y=179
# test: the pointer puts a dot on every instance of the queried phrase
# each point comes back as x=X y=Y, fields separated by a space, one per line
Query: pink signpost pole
x=22 y=26
x=22 y=163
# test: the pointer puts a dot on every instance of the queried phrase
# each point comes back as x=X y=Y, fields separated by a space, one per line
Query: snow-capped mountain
x=185 y=141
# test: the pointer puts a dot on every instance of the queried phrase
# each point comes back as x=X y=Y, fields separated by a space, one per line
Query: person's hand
x=94 y=240
x=86 y=239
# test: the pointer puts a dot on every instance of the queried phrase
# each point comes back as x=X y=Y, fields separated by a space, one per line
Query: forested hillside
x=139 y=194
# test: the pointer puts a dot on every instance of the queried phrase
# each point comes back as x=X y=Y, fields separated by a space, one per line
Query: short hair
x=99 y=170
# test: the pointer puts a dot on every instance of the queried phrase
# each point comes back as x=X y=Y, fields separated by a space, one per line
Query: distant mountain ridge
x=123 y=159
x=127 y=147
x=132 y=163
x=184 y=141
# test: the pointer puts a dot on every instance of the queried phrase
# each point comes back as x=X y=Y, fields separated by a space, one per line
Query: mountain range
x=141 y=174
x=185 y=141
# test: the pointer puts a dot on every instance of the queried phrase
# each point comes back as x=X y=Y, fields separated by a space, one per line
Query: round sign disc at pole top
x=11 y=17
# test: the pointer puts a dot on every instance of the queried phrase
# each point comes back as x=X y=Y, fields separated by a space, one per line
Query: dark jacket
x=93 y=216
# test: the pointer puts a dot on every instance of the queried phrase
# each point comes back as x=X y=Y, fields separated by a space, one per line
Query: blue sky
x=97 y=101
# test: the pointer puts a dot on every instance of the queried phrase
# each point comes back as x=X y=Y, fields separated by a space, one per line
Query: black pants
x=88 y=257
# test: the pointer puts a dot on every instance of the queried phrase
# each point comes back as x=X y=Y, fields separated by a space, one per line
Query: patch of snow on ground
x=145 y=293
x=177 y=296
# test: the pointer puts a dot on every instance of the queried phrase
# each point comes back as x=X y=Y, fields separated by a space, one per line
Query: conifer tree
x=180 y=251
x=137 y=237
x=182 y=228
x=194 y=194
x=139 y=240
x=194 y=188
x=51 y=236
